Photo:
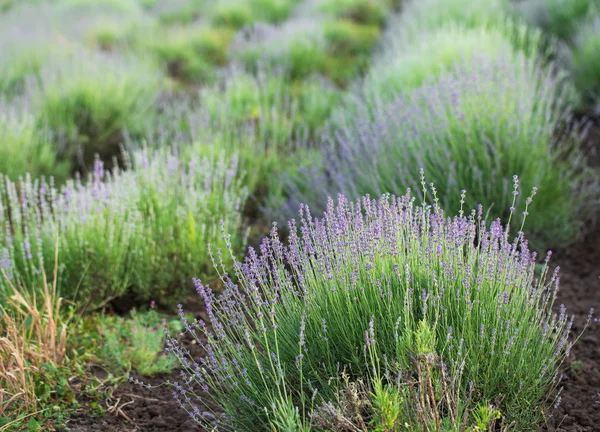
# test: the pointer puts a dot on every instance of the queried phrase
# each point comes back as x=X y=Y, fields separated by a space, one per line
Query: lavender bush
x=378 y=291
x=91 y=100
x=584 y=60
x=142 y=232
x=409 y=59
x=25 y=148
x=475 y=126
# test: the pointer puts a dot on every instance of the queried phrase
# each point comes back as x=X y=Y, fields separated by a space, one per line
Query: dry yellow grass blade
x=33 y=332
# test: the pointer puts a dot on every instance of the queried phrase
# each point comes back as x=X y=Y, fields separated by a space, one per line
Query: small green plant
x=387 y=407
x=233 y=13
x=485 y=417
x=576 y=366
x=135 y=342
x=192 y=54
x=345 y=38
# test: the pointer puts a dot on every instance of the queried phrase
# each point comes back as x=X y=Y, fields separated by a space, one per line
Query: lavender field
x=299 y=215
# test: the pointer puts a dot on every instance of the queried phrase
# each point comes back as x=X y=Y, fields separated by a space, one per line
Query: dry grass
x=33 y=332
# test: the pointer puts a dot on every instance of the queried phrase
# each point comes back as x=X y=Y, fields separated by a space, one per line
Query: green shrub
x=272 y=11
x=584 y=60
x=179 y=11
x=16 y=70
x=345 y=38
x=192 y=54
x=91 y=101
x=233 y=13
x=558 y=18
x=26 y=149
x=141 y=232
x=369 y=12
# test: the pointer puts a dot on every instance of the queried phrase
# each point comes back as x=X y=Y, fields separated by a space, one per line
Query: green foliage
x=485 y=417
x=26 y=149
x=584 y=60
x=558 y=18
x=233 y=13
x=410 y=63
x=135 y=342
x=345 y=38
x=369 y=12
x=423 y=16
x=91 y=102
x=17 y=67
x=272 y=11
x=387 y=406
x=121 y=6
x=192 y=54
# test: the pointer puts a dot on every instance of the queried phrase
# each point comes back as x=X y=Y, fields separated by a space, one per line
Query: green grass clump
x=142 y=232
x=345 y=38
x=178 y=11
x=90 y=102
x=135 y=343
x=24 y=148
x=232 y=13
x=17 y=68
x=273 y=11
x=369 y=12
x=193 y=54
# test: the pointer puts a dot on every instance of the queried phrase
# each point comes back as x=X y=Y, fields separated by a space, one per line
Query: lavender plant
x=91 y=101
x=409 y=59
x=374 y=291
x=584 y=60
x=141 y=232
x=475 y=126
x=25 y=148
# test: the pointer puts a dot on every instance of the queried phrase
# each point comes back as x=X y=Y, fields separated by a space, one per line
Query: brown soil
x=132 y=408
x=579 y=409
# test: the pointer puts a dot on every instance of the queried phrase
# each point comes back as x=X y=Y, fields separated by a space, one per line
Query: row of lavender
x=68 y=107
x=410 y=311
